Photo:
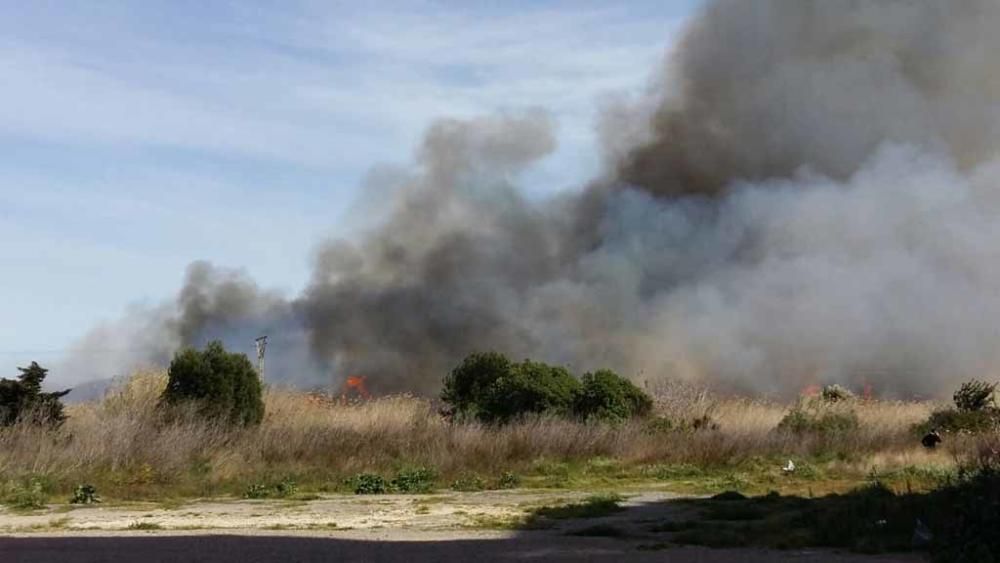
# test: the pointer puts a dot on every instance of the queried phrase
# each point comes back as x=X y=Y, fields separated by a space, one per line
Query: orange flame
x=355 y=384
x=811 y=391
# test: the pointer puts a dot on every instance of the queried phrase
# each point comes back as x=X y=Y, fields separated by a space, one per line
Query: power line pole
x=261 y=343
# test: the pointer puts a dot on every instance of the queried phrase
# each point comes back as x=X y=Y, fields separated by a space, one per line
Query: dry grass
x=125 y=447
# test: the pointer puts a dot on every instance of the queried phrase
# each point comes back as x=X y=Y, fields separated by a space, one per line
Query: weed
x=144 y=526
x=414 y=480
x=468 y=483
x=257 y=491
x=508 y=480
x=85 y=494
x=369 y=484
x=26 y=495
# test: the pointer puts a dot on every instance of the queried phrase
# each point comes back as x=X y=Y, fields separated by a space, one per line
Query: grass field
x=128 y=451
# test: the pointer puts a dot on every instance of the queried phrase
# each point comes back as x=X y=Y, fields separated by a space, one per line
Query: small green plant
x=26 y=495
x=369 y=484
x=414 y=480
x=508 y=480
x=975 y=396
x=468 y=483
x=144 y=526
x=85 y=494
x=257 y=491
x=285 y=488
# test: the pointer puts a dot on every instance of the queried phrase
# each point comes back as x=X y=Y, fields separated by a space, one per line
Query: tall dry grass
x=124 y=443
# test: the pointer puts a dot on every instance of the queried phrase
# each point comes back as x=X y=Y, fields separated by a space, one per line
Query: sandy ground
x=444 y=527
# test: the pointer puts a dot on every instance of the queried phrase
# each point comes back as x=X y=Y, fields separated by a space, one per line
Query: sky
x=137 y=137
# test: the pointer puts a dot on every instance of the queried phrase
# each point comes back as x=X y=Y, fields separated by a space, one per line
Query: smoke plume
x=810 y=193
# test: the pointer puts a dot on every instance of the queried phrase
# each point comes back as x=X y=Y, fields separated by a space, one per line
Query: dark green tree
x=466 y=386
x=605 y=395
x=221 y=385
x=22 y=400
x=529 y=388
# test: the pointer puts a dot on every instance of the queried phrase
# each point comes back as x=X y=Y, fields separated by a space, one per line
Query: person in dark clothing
x=931 y=439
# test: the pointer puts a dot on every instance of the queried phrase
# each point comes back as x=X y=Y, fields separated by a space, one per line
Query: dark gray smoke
x=808 y=195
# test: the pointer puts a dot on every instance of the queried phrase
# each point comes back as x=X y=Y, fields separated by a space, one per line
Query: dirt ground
x=438 y=527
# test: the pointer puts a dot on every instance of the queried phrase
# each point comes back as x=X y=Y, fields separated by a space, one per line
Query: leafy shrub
x=492 y=389
x=825 y=422
x=975 y=411
x=414 y=480
x=508 y=480
x=25 y=495
x=222 y=385
x=607 y=396
x=953 y=420
x=369 y=484
x=835 y=394
x=469 y=383
x=257 y=491
x=282 y=489
x=468 y=483
x=22 y=399
x=529 y=388
x=974 y=396
x=285 y=488
x=85 y=494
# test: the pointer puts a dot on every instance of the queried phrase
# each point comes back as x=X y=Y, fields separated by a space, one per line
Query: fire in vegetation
x=354 y=389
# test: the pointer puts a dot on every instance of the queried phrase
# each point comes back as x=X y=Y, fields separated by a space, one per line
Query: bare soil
x=437 y=527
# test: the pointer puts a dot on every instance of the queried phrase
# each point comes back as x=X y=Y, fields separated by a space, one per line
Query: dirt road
x=414 y=528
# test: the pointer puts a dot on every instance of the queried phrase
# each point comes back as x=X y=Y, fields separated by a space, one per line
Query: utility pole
x=261 y=343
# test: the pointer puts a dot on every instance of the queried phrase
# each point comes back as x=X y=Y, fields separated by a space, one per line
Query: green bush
x=467 y=385
x=954 y=420
x=22 y=400
x=508 y=480
x=414 y=480
x=468 y=483
x=28 y=494
x=975 y=411
x=824 y=422
x=529 y=388
x=222 y=385
x=257 y=491
x=369 y=484
x=85 y=494
x=492 y=389
x=974 y=396
x=607 y=396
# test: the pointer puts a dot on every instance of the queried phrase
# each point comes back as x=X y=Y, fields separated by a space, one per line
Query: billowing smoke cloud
x=810 y=194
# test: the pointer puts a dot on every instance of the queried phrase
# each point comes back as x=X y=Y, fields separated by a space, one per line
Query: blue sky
x=138 y=136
